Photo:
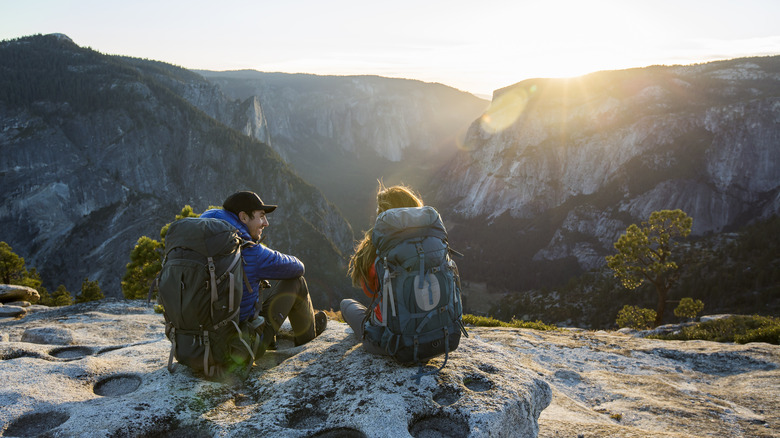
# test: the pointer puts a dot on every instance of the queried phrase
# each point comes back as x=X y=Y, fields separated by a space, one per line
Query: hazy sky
x=474 y=45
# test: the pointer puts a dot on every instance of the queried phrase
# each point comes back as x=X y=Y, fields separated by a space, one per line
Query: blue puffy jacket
x=260 y=262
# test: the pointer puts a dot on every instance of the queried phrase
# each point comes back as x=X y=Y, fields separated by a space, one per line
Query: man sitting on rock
x=290 y=296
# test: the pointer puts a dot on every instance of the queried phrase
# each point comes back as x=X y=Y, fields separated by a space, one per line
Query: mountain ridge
x=360 y=128
x=88 y=168
x=581 y=159
x=537 y=190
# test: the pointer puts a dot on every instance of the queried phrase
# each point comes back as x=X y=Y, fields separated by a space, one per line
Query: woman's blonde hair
x=386 y=198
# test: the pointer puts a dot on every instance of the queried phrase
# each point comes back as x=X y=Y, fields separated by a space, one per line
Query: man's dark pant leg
x=290 y=299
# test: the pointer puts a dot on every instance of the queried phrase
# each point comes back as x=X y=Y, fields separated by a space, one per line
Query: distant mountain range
x=558 y=168
x=98 y=150
x=343 y=133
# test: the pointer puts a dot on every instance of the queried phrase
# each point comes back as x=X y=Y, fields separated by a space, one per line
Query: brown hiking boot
x=320 y=322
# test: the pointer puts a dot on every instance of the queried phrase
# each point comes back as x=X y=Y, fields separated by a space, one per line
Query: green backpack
x=200 y=288
x=420 y=290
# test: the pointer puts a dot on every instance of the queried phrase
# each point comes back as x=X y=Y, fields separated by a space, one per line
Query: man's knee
x=295 y=285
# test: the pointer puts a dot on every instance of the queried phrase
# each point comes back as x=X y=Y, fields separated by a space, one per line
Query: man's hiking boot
x=269 y=338
x=320 y=322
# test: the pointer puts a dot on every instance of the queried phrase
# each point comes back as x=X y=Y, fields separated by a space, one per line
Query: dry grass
x=334 y=315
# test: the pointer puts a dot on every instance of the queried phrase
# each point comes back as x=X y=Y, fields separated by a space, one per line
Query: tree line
x=13 y=270
x=736 y=272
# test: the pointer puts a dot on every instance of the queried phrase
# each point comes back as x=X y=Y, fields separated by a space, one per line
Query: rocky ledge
x=611 y=384
x=99 y=370
x=14 y=300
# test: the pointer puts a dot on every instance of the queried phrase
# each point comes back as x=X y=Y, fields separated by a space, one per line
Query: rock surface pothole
x=117 y=385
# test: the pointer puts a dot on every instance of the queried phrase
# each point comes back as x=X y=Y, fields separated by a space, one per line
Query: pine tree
x=90 y=291
x=11 y=265
x=146 y=261
x=645 y=254
x=61 y=297
x=145 y=264
x=13 y=271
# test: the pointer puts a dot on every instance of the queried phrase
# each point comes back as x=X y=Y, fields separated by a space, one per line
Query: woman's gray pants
x=354 y=314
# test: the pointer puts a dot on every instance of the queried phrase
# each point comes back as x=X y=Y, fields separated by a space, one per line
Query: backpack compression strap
x=213 y=281
x=209 y=370
x=387 y=293
x=420 y=372
x=421 y=255
x=171 y=366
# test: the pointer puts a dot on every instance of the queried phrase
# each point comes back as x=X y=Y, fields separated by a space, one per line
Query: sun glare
x=505 y=109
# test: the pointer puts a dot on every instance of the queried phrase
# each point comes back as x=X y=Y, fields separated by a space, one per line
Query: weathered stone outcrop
x=13 y=292
x=65 y=368
x=329 y=387
x=11 y=311
x=613 y=384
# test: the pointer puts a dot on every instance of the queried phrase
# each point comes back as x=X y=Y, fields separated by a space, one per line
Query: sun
x=567 y=39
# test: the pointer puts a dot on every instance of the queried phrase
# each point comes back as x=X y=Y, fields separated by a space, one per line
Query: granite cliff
x=97 y=150
x=342 y=133
x=557 y=169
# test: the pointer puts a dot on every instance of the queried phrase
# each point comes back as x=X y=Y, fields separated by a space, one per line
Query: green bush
x=145 y=264
x=635 y=317
x=61 y=297
x=90 y=291
x=740 y=329
x=146 y=261
x=485 y=321
x=768 y=334
x=14 y=271
x=688 y=308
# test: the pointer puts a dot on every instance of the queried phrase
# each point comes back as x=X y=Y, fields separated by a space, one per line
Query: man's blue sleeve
x=269 y=264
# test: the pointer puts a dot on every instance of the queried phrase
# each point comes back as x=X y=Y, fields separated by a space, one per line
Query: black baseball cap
x=246 y=201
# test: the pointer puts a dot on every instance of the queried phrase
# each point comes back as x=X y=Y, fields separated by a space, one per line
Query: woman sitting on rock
x=362 y=269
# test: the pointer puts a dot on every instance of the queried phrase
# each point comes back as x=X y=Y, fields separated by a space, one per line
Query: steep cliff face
x=357 y=114
x=96 y=151
x=586 y=157
x=344 y=133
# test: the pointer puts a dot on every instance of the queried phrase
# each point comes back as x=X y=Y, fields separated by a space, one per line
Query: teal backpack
x=200 y=287
x=420 y=289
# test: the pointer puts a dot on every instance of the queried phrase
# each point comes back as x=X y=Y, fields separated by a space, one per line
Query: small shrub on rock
x=688 y=308
x=61 y=297
x=635 y=317
x=90 y=291
x=739 y=328
x=769 y=334
x=485 y=321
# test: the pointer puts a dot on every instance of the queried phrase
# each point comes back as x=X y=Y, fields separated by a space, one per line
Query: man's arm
x=273 y=265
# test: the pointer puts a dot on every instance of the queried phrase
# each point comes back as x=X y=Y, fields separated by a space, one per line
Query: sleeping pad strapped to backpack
x=419 y=286
x=200 y=288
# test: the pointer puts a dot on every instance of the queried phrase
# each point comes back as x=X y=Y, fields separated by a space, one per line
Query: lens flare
x=505 y=109
x=460 y=140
